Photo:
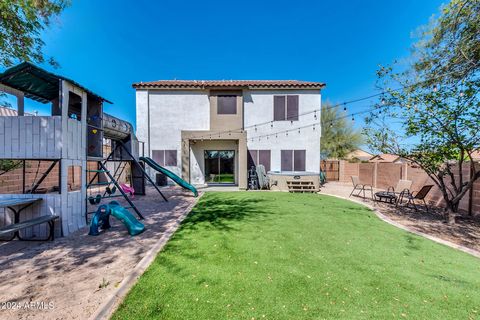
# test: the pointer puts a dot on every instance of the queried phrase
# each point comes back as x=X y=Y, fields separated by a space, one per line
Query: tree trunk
x=450 y=211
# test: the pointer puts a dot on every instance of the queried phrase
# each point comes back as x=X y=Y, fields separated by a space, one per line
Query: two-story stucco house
x=213 y=131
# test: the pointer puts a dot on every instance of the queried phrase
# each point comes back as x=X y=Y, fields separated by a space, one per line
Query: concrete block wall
x=383 y=175
x=12 y=181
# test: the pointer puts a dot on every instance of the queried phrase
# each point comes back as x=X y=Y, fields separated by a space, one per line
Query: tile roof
x=208 y=84
x=385 y=157
x=9 y=112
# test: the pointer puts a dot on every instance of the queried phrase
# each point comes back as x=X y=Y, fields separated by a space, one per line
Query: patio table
x=385 y=196
x=15 y=202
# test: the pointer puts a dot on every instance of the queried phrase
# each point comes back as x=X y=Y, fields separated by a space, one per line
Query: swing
x=95 y=200
x=112 y=190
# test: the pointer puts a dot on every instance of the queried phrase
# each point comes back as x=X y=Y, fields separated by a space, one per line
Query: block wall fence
x=383 y=175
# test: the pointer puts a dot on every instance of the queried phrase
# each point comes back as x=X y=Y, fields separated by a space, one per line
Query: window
x=285 y=108
x=293 y=160
x=262 y=157
x=165 y=157
x=227 y=104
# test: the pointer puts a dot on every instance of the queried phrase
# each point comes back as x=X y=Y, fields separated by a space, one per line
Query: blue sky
x=108 y=45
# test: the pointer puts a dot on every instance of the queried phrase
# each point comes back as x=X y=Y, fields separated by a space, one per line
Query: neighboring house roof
x=208 y=84
x=385 y=157
x=359 y=154
x=476 y=155
x=9 y=112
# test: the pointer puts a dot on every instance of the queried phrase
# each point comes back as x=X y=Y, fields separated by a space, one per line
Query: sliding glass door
x=220 y=166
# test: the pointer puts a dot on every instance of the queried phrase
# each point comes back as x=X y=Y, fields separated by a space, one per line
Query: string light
x=286 y=133
x=255 y=128
x=315 y=115
x=435 y=88
x=298 y=130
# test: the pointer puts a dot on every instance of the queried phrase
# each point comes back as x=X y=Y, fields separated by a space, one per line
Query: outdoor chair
x=403 y=186
x=394 y=194
x=419 y=195
x=360 y=187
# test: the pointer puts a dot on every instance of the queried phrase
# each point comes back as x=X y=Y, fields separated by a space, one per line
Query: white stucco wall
x=174 y=111
x=170 y=113
x=258 y=106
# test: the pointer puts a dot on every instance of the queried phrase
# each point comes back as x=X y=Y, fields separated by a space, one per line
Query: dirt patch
x=69 y=277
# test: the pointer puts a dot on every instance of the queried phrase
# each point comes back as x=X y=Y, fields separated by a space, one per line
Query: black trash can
x=161 y=179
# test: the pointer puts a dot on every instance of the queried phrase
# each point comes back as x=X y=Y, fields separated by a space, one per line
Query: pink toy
x=127 y=189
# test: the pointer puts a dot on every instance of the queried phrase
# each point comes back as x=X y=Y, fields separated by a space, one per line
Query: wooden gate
x=331 y=169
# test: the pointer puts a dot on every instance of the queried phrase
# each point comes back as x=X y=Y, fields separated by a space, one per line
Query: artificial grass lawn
x=261 y=255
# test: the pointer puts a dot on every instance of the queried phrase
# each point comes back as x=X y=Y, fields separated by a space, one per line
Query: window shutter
x=279 y=108
x=226 y=104
x=171 y=158
x=286 y=160
x=292 y=108
x=264 y=158
x=299 y=159
x=159 y=156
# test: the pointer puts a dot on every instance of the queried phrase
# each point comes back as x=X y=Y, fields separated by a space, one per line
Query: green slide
x=182 y=183
x=134 y=227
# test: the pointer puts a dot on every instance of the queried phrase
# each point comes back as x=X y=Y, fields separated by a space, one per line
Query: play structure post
x=121 y=191
x=143 y=171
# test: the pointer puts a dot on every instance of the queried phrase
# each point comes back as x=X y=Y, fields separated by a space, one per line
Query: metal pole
x=23 y=181
x=121 y=191
x=143 y=171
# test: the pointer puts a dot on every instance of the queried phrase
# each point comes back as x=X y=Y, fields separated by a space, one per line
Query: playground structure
x=72 y=136
x=101 y=219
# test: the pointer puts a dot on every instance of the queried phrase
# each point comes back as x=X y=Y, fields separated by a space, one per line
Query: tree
x=21 y=22
x=339 y=137
x=438 y=104
x=9 y=165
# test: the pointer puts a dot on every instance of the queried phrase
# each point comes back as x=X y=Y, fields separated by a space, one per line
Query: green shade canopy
x=37 y=83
